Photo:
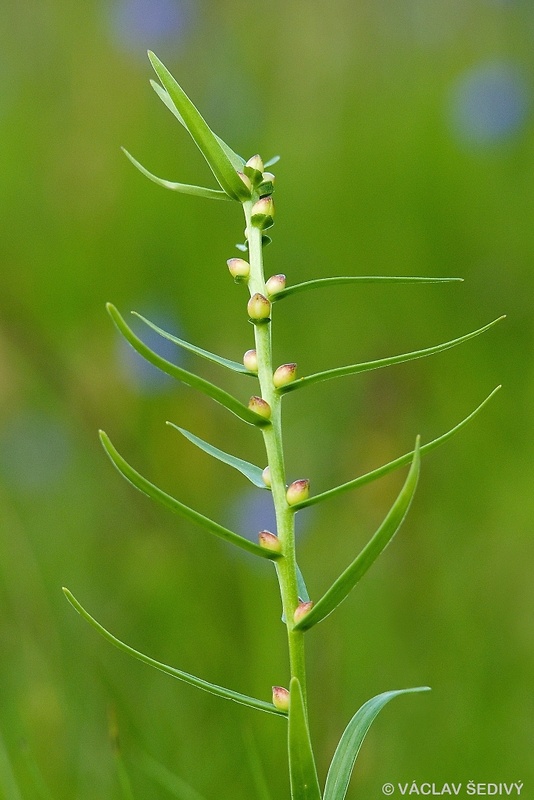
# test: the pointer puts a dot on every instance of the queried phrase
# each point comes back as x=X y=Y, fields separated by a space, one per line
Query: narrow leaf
x=319 y=283
x=352 y=369
x=340 y=771
x=165 y=499
x=379 y=472
x=272 y=161
x=302 y=590
x=228 y=694
x=237 y=160
x=184 y=188
x=302 y=770
x=208 y=144
x=189 y=378
x=250 y=471
x=224 y=362
x=383 y=536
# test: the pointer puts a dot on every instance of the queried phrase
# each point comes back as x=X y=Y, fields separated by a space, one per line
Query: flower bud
x=246 y=180
x=253 y=169
x=239 y=269
x=250 y=360
x=269 y=541
x=255 y=162
x=263 y=213
x=260 y=406
x=266 y=186
x=259 y=308
x=302 y=609
x=275 y=284
x=298 y=491
x=280 y=698
x=266 y=475
x=284 y=375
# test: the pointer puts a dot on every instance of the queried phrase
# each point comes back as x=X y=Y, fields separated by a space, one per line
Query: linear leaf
x=237 y=160
x=228 y=694
x=302 y=770
x=184 y=188
x=208 y=144
x=189 y=378
x=339 y=774
x=272 y=161
x=224 y=362
x=379 y=472
x=383 y=536
x=301 y=584
x=250 y=471
x=352 y=369
x=334 y=281
x=167 y=500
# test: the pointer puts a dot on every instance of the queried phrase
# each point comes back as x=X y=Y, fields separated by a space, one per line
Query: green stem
x=286 y=566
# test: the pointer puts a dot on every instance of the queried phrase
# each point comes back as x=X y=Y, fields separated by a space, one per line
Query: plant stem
x=286 y=566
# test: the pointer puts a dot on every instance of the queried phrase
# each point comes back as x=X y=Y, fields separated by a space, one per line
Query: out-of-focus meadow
x=406 y=135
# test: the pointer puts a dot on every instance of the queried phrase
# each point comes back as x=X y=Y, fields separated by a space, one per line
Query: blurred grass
x=377 y=175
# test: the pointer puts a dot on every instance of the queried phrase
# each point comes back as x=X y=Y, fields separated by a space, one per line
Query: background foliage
x=406 y=135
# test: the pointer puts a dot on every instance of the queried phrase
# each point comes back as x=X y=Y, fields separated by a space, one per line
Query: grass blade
x=339 y=774
x=235 y=366
x=263 y=791
x=379 y=472
x=8 y=782
x=183 y=188
x=319 y=283
x=168 y=780
x=383 y=536
x=165 y=499
x=209 y=145
x=212 y=688
x=250 y=471
x=189 y=378
x=302 y=770
x=352 y=369
x=237 y=160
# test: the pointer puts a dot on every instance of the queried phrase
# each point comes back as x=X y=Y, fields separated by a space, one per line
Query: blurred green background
x=406 y=134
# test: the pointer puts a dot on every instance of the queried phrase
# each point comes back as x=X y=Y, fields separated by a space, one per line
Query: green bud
x=269 y=541
x=253 y=169
x=284 y=374
x=259 y=308
x=250 y=360
x=260 y=406
x=246 y=180
x=280 y=698
x=266 y=475
x=266 y=186
x=275 y=284
x=301 y=610
x=298 y=491
x=263 y=213
x=239 y=269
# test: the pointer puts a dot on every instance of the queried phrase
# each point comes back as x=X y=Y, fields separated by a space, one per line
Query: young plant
x=250 y=184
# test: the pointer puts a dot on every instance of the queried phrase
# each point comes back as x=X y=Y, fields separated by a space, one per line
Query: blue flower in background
x=147 y=378
x=253 y=511
x=489 y=103
x=139 y=24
